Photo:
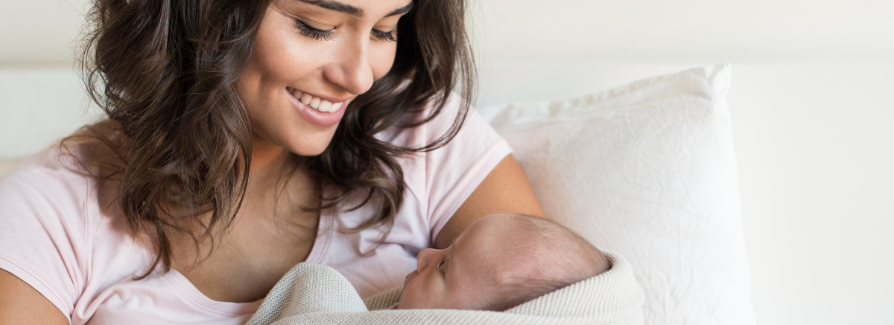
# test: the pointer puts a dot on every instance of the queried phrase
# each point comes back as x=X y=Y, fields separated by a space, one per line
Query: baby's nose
x=424 y=258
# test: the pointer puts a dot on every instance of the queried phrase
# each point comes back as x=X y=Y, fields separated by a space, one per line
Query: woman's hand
x=505 y=190
x=21 y=304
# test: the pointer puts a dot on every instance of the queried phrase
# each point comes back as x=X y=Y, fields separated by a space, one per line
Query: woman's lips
x=315 y=102
x=315 y=115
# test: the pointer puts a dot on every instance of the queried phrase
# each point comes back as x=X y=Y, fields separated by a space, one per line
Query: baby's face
x=463 y=275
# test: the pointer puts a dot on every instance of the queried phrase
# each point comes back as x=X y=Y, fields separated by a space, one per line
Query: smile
x=317 y=110
x=317 y=103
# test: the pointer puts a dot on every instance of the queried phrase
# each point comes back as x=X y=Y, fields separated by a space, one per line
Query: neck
x=267 y=160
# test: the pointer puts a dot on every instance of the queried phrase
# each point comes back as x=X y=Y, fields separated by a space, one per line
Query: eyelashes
x=390 y=36
x=325 y=35
x=317 y=34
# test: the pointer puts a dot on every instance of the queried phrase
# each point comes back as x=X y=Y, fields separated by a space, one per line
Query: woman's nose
x=351 y=69
x=425 y=257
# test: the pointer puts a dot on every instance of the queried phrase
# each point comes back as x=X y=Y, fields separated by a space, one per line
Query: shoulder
x=434 y=121
x=474 y=148
x=441 y=179
x=61 y=229
x=53 y=192
x=49 y=176
x=60 y=173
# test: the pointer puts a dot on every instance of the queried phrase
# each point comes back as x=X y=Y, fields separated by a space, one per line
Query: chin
x=312 y=144
x=309 y=151
x=401 y=304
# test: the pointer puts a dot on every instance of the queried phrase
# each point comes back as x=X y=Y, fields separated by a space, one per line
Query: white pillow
x=646 y=170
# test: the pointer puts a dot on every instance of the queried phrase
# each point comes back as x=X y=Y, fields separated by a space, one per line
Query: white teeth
x=325 y=105
x=316 y=103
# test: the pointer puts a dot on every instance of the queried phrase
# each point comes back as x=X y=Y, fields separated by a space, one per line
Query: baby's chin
x=408 y=302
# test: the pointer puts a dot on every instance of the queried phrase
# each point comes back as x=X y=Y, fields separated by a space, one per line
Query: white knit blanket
x=317 y=294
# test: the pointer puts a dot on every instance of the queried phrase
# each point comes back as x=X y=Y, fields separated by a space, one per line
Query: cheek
x=381 y=59
x=282 y=59
x=409 y=298
x=410 y=278
x=418 y=293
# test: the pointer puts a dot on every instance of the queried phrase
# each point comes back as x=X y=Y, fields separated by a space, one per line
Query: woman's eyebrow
x=337 y=6
x=351 y=10
x=401 y=11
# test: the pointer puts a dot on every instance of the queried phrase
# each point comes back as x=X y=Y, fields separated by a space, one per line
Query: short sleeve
x=455 y=170
x=44 y=231
x=451 y=173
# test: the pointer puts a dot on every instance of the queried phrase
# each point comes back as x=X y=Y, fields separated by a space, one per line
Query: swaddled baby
x=499 y=262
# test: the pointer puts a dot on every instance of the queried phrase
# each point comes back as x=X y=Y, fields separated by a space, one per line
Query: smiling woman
x=311 y=59
x=243 y=137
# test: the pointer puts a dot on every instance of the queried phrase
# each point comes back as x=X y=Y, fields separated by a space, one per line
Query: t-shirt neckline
x=192 y=294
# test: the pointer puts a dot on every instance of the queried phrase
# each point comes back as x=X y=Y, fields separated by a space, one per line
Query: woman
x=244 y=137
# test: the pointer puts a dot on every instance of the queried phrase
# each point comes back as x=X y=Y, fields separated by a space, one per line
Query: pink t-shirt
x=67 y=239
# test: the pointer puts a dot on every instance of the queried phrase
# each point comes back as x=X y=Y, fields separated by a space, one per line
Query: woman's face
x=311 y=58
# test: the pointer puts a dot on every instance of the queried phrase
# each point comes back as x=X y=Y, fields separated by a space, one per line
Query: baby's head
x=499 y=262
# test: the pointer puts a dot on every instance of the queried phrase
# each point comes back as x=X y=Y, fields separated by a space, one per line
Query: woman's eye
x=317 y=34
x=325 y=35
x=389 y=36
x=441 y=266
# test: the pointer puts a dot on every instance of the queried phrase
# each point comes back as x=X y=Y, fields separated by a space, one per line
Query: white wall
x=815 y=150
x=663 y=31
x=810 y=103
x=40 y=32
x=38 y=106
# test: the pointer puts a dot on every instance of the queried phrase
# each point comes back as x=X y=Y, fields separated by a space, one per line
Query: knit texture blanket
x=317 y=294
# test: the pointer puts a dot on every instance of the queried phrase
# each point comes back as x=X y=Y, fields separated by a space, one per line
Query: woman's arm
x=505 y=190
x=21 y=304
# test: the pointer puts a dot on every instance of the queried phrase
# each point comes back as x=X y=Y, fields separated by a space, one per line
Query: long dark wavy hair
x=164 y=72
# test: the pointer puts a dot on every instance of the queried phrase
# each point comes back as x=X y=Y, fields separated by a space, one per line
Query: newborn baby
x=499 y=262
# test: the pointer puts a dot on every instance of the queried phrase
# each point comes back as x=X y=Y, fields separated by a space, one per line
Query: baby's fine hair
x=565 y=257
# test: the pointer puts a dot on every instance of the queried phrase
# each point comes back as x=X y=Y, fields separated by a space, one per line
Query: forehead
x=484 y=257
x=489 y=243
x=483 y=231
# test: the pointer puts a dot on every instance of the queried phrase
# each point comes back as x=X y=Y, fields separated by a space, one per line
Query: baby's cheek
x=478 y=298
x=409 y=278
x=408 y=300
